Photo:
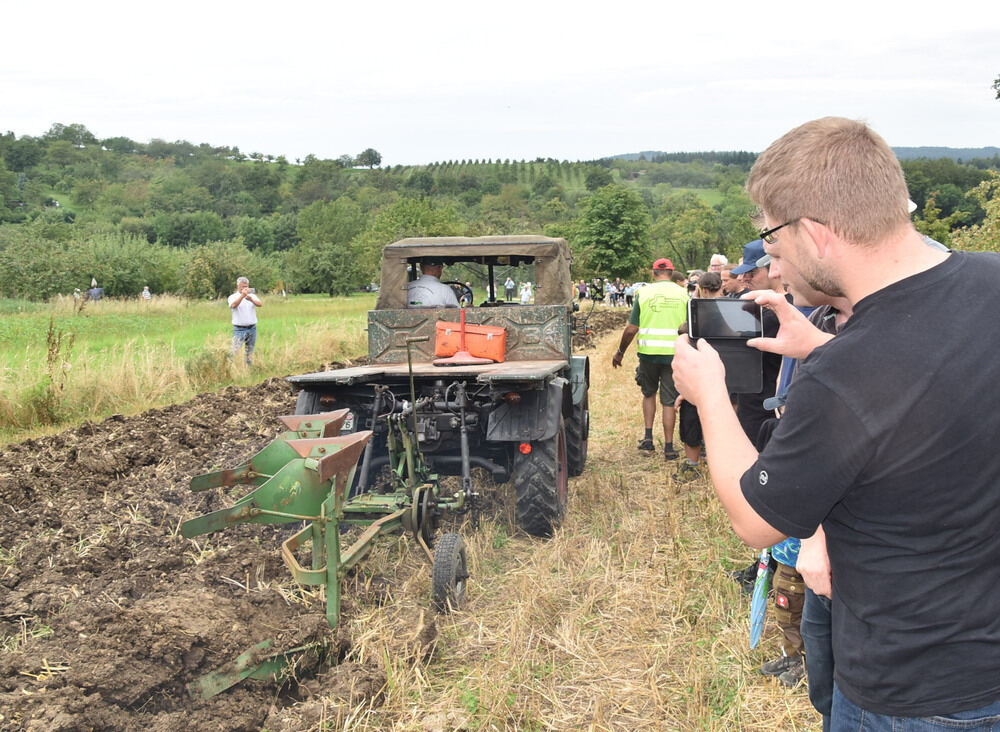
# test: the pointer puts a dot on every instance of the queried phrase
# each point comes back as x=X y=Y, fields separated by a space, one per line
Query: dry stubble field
x=625 y=620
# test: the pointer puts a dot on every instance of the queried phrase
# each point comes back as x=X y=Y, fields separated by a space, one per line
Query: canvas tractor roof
x=551 y=258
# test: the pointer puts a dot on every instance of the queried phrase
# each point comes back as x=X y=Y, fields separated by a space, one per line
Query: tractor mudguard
x=535 y=417
x=580 y=377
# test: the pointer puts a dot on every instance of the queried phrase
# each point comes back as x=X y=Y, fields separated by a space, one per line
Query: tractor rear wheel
x=541 y=482
x=307 y=402
x=450 y=573
x=577 y=435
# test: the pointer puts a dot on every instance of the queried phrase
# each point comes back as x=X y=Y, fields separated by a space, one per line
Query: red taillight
x=327 y=400
x=512 y=398
x=524 y=447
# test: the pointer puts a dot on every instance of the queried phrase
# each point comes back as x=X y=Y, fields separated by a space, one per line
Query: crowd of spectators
x=616 y=292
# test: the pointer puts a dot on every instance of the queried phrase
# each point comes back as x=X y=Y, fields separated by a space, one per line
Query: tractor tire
x=577 y=435
x=541 y=483
x=307 y=403
x=450 y=573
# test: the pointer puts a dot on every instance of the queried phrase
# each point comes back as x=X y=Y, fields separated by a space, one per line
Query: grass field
x=711 y=196
x=60 y=363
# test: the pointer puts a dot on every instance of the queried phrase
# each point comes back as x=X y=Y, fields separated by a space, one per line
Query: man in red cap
x=659 y=310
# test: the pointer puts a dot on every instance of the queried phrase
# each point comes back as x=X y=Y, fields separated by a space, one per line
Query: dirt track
x=111 y=612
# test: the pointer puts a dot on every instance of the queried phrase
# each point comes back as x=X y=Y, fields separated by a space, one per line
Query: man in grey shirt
x=427 y=291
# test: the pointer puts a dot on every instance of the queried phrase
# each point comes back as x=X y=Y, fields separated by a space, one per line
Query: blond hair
x=837 y=172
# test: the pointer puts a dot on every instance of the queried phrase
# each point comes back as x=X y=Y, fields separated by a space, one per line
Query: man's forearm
x=627 y=335
x=730 y=455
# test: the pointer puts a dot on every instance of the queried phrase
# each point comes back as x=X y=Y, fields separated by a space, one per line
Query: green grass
x=16 y=307
x=65 y=362
x=180 y=325
x=711 y=196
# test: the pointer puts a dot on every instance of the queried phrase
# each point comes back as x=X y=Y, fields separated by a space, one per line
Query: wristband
x=621 y=352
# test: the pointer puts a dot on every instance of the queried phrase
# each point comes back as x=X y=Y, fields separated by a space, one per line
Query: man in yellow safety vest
x=660 y=309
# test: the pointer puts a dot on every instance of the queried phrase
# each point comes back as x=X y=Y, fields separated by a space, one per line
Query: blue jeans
x=244 y=335
x=816 y=637
x=848 y=717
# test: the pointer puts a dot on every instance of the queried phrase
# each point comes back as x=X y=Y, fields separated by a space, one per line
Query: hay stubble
x=627 y=619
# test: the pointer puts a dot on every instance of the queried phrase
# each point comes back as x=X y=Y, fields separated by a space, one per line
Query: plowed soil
x=115 y=611
x=107 y=613
x=593 y=323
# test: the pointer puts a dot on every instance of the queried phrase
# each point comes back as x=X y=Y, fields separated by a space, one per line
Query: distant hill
x=955 y=153
x=684 y=157
x=903 y=153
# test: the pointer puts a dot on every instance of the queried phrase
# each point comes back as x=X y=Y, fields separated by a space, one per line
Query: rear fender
x=535 y=417
x=580 y=377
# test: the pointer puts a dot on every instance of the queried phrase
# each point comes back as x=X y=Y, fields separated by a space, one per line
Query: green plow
x=262 y=466
x=309 y=486
x=304 y=476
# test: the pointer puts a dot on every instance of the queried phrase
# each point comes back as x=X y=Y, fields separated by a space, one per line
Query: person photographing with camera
x=893 y=421
x=243 y=305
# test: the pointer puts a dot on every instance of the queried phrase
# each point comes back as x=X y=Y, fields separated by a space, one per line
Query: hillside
x=183 y=217
x=966 y=154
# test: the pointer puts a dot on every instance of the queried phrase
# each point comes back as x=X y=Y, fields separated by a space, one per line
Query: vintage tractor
x=523 y=415
x=519 y=410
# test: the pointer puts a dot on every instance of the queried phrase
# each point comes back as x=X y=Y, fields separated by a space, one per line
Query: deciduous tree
x=984 y=236
x=687 y=231
x=369 y=158
x=613 y=230
x=326 y=259
x=598 y=178
x=407 y=217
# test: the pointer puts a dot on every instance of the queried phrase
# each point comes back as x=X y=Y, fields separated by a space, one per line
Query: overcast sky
x=438 y=80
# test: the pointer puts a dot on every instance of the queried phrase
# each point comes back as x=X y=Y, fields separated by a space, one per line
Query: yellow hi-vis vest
x=662 y=309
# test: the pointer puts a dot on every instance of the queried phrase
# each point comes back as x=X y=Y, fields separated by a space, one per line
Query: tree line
x=180 y=217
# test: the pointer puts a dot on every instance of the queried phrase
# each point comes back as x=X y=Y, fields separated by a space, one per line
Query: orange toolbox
x=482 y=341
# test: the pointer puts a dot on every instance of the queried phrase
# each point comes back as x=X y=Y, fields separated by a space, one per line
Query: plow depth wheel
x=423 y=520
x=450 y=573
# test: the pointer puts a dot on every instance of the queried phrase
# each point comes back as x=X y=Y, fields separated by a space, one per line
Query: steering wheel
x=462 y=291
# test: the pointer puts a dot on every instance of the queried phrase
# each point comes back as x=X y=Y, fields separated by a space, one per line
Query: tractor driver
x=427 y=291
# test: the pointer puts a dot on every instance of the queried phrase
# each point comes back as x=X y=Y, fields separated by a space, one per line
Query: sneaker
x=669 y=453
x=793 y=676
x=646 y=445
x=780 y=665
x=686 y=472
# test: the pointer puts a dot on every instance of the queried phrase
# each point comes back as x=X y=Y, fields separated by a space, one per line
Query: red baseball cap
x=663 y=264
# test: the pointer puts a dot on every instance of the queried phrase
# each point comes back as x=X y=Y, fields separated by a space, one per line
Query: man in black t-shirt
x=887 y=439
